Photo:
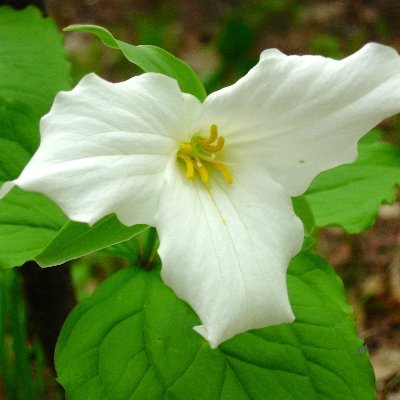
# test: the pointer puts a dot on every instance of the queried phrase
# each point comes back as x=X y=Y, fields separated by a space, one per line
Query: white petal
x=226 y=251
x=300 y=115
x=5 y=188
x=105 y=147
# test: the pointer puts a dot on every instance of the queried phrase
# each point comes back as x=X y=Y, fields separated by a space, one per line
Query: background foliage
x=221 y=40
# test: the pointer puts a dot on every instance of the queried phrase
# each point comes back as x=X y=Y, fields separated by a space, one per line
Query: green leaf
x=32 y=227
x=18 y=138
x=150 y=59
x=76 y=239
x=133 y=339
x=304 y=212
x=28 y=221
x=33 y=68
x=350 y=195
x=139 y=250
x=128 y=250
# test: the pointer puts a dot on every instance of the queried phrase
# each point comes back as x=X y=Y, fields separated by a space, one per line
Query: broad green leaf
x=28 y=221
x=76 y=239
x=350 y=195
x=128 y=250
x=150 y=59
x=18 y=138
x=33 y=68
x=32 y=227
x=33 y=65
x=133 y=339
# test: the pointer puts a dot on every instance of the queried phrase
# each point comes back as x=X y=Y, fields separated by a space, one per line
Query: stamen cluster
x=201 y=154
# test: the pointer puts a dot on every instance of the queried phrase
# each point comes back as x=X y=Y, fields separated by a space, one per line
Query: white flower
x=215 y=178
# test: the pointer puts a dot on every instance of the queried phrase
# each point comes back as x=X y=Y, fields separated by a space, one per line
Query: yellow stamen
x=185 y=148
x=212 y=138
x=189 y=165
x=215 y=148
x=202 y=154
x=225 y=172
x=201 y=169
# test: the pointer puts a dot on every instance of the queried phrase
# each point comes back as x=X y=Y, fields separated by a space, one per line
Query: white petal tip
x=6 y=188
x=284 y=313
x=291 y=318
x=201 y=329
x=269 y=53
x=214 y=340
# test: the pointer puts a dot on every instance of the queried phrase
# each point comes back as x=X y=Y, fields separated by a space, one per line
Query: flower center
x=200 y=156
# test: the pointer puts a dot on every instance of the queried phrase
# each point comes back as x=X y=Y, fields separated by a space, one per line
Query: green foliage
x=160 y=356
x=235 y=38
x=349 y=195
x=15 y=355
x=34 y=228
x=28 y=221
x=150 y=59
x=33 y=68
x=242 y=33
x=76 y=239
x=18 y=137
x=156 y=31
x=304 y=212
x=326 y=45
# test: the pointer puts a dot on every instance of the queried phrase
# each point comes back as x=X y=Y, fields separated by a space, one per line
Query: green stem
x=5 y=367
x=149 y=244
x=25 y=390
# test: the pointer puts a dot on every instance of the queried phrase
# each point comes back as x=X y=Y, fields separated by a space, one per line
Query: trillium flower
x=215 y=178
